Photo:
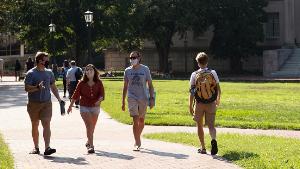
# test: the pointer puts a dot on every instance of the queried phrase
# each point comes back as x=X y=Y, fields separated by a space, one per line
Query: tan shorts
x=39 y=110
x=137 y=107
x=207 y=110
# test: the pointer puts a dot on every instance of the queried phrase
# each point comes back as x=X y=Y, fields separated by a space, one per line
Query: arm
x=31 y=88
x=219 y=94
x=191 y=100
x=55 y=91
x=102 y=94
x=75 y=96
x=151 y=93
x=125 y=87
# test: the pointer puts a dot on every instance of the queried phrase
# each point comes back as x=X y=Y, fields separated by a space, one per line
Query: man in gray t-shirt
x=38 y=83
x=136 y=79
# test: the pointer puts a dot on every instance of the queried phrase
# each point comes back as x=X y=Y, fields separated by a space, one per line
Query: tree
x=238 y=26
x=163 y=19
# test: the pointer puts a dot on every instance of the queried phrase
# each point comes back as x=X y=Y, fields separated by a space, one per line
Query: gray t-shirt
x=137 y=81
x=33 y=78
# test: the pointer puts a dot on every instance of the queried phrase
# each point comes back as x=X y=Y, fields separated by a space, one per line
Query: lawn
x=247 y=151
x=6 y=159
x=243 y=105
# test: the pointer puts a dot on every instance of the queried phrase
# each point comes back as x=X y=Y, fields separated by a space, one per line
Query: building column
x=289 y=22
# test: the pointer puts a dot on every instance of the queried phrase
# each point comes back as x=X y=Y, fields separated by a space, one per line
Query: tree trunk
x=163 y=53
x=236 y=64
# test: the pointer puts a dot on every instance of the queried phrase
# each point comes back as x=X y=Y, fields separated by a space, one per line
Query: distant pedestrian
x=72 y=79
x=17 y=69
x=1 y=68
x=205 y=94
x=54 y=68
x=136 y=78
x=64 y=70
x=90 y=91
x=38 y=83
x=29 y=64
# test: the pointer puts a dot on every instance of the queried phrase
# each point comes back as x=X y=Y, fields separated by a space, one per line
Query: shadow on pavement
x=69 y=160
x=12 y=95
x=114 y=155
x=165 y=154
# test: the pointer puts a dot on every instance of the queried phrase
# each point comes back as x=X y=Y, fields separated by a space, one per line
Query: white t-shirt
x=1 y=64
x=193 y=76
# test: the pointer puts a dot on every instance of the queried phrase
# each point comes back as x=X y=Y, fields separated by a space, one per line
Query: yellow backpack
x=205 y=87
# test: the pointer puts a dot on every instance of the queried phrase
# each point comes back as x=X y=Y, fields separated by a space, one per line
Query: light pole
x=185 y=53
x=52 y=31
x=88 y=16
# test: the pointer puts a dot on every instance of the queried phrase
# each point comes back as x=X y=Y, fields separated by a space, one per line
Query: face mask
x=133 y=62
x=46 y=64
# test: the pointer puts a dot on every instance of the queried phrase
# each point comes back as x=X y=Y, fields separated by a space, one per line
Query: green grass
x=243 y=105
x=6 y=159
x=247 y=151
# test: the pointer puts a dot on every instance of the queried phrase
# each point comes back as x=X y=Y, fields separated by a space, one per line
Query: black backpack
x=78 y=74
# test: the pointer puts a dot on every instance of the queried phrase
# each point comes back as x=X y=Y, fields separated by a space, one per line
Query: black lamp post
x=88 y=16
x=185 y=53
x=52 y=31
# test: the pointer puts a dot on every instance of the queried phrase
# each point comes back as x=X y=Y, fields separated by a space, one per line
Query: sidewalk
x=113 y=141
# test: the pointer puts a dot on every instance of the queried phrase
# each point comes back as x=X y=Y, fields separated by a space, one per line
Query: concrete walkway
x=113 y=141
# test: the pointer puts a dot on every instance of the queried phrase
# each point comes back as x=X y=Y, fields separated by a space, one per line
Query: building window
x=272 y=26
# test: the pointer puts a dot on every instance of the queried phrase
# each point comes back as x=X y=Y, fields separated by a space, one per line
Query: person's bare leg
x=93 y=120
x=201 y=134
x=35 y=133
x=136 y=130
x=46 y=131
x=87 y=123
x=140 y=128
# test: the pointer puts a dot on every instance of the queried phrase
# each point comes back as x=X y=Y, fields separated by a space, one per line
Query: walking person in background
x=17 y=69
x=38 y=83
x=136 y=78
x=72 y=79
x=205 y=92
x=64 y=70
x=29 y=64
x=54 y=68
x=90 y=91
x=1 y=68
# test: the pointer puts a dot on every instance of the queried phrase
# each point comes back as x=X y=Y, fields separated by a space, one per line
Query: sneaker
x=35 y=151
x=64 y=96
x=76 y=106
x=49 y=151
x=202 y=151
x=87 y=145
x=91 y=150
x=214 y=147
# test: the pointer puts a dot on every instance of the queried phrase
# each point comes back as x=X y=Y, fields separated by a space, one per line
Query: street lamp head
x=88 y=16
x=52 y=27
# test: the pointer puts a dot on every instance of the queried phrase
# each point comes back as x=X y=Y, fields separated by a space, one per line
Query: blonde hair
x=202 y=58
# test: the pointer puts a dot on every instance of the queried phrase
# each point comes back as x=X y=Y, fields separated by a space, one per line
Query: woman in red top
x=90 y=91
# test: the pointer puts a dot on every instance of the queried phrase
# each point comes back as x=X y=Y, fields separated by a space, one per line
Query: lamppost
x=185 y=53
x=88 y=16
x=52 y=31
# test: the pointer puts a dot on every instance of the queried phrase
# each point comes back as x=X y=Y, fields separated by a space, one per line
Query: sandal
x=87 y=145
x=35 y=151
x=136 y=147
x=49 y=151
x=91 y=150
x=202 y=151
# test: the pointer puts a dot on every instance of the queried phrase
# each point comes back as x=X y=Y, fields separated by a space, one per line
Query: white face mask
x=133 y=62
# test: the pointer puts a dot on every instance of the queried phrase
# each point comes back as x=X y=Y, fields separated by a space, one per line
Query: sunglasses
x=132 y=58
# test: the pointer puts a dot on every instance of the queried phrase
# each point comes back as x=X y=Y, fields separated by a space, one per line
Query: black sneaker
x=91 y=150
x=214 y=147
x=49 y=151
x=35 y=151
x=202 y=151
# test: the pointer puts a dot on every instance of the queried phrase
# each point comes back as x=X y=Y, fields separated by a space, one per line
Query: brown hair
x=138 y=54
x=202 y=58
x=96 y=75
x=40 y=56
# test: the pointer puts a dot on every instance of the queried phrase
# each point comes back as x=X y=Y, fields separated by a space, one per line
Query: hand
x=151 y=103
x=99 y=101
x=69 y=109
x=123 y=106
x=191 y=110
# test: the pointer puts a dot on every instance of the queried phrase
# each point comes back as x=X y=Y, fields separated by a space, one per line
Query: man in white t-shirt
x=205 y=91
x=1 y=68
